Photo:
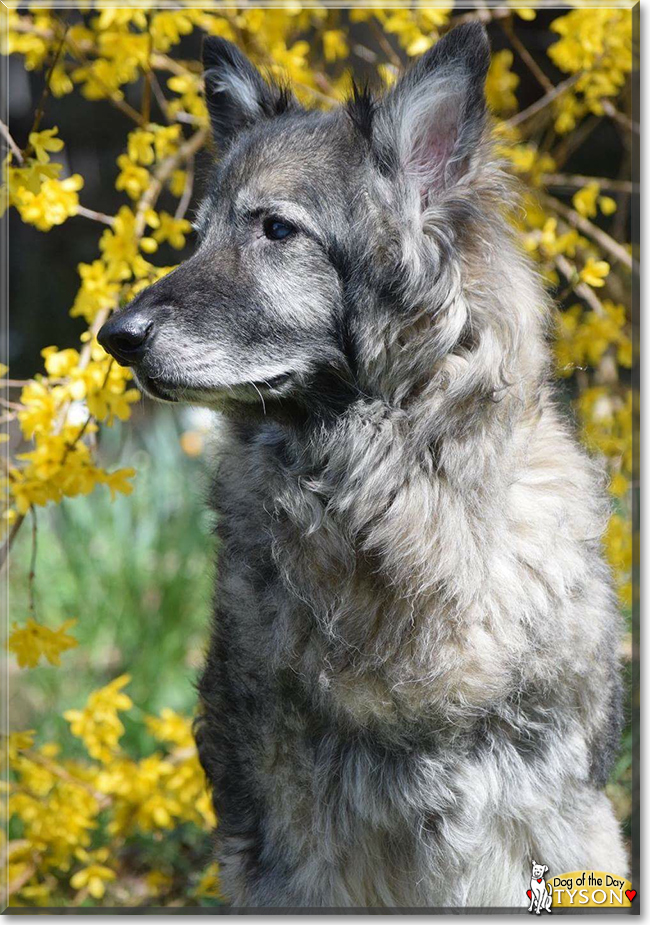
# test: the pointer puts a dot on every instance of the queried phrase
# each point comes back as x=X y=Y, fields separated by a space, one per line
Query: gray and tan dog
x=412 y=685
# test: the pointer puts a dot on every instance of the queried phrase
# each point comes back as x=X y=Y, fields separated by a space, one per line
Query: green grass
x=136 y=573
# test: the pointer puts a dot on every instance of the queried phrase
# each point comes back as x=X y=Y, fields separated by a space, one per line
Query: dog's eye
x=277 y=230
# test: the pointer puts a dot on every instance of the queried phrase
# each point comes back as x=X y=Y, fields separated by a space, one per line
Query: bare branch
x=543 y=101
x=12 y=144
x=577 y=181
x=15 y=527
x=95 y=216
x=184 y=201
x=613 y=248
x=582 y=289
x=526 y=56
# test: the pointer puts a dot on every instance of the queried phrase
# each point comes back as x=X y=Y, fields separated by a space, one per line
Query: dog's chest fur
x=379 y=694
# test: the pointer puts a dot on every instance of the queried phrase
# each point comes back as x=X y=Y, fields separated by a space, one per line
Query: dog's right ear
x=236 y=94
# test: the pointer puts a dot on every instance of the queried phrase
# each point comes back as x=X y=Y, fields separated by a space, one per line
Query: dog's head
x=321 y=236
x=539 y=870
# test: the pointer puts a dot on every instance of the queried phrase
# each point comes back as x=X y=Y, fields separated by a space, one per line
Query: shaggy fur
x=412 y=686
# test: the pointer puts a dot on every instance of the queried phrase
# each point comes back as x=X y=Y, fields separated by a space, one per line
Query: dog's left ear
x=545 y=868
x=434 y=117
x=236 y=94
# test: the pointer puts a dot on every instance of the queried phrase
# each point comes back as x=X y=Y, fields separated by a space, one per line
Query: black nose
x=125 y=335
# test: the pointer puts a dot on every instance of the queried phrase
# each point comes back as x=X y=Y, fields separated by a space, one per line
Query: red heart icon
x=540 y=880
x=529 y=894
x=630 y=894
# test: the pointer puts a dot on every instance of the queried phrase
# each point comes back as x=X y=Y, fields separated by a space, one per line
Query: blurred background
x=136 y=572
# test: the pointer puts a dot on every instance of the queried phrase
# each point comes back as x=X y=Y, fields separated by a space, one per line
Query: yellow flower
x=166 y=140
x=98 y=290
x=172 y=728
x=177 y=183
x=607 y=205
x=95 y=875
x=172 y=230
x=34 y=641
x=60 y=82
x=619 y=485
x=98 y=724
x=56 y=201
x=40 y=408
x=594 y=272
x=209 y=883
x=117 y=480
x=17 y=742
x=501 y=83
x=44 y=141
x=584 y=201
x=167 y=28
x=132 y=179
x=335 y=45
x=59 y=363
x=140 y=147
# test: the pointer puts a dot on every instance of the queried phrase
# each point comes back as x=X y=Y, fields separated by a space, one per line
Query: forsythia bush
x=75 y=824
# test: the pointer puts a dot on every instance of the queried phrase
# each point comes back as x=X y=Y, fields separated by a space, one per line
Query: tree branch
x=582 y=289
x=10 y=141
x=577 y=181
x=613 y=248
x=543 y=101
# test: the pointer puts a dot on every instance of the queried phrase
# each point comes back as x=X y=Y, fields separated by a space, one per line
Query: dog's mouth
x=154 y=388
x=250 y=391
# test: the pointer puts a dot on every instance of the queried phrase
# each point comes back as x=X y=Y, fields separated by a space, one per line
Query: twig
x=128 y=110
x=38 y=115
x=313 y=91
x=102 y=798
x=184 y=201
x=543 y=101
x=162 y=174
x=95 y=216
x=485 y=16
x=629 y=124
x=12 y=144
x=15 y=527
x=526 y=56
x=11 y=404
x=31 y=578
x=385 y=45
x=577 y=181
x=160 y=96
x=165 y=63
x=145 y=108
x=19 y=882
x=575 y=139
x=613 y=248
x=582 y=289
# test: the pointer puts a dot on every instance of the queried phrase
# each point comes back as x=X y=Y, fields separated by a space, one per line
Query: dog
x=412 y=682
x=539 y=896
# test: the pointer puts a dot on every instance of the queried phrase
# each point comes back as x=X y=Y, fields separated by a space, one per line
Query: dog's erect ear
x=236 y=94
x=545 y=868
x=434 y=117
x=534 y=863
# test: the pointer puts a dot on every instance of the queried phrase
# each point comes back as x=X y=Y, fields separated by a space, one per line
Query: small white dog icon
x=539 y=896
